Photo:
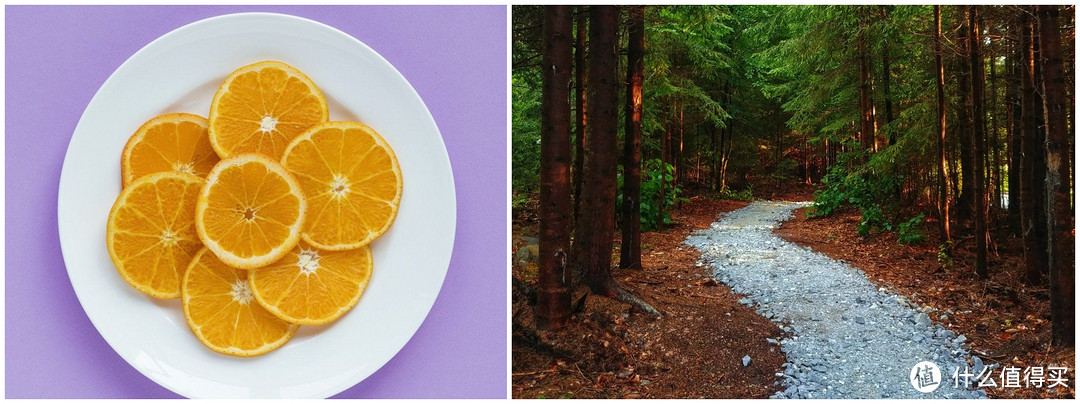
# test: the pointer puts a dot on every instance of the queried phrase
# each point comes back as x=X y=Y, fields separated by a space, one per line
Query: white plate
x=179 y=72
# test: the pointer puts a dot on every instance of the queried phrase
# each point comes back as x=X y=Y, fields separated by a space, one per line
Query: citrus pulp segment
x=170 y=142
x=261 y=107
x=219 y=308
x=150 y=233
x=250 y=212
x=312 y=286
x=352 y=180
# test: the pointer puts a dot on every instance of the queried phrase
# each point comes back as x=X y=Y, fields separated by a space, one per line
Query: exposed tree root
x=626 y=297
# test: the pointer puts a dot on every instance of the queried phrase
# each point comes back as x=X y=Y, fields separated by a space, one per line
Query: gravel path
x=846 y=337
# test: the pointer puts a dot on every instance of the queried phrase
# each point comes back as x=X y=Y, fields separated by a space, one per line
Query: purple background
x=57 y=57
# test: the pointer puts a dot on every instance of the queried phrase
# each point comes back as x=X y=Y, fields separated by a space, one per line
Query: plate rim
x=228 y=17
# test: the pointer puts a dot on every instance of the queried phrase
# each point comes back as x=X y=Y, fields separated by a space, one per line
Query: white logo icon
x=925 y=377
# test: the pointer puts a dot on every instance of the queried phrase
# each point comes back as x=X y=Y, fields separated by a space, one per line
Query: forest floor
x=608 y=351
x=1005 y=321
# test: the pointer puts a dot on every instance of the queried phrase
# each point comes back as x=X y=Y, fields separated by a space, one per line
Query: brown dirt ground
x=1005 y=321
x=694 y=351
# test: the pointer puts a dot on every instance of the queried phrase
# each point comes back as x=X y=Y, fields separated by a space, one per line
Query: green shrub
x=650 y=193
x=910 y=232
x=745 y=195
x=518 y=201
x=873 y=194
x=525 y=132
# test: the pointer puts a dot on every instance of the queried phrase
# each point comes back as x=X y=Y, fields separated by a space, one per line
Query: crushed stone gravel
x=847 y=338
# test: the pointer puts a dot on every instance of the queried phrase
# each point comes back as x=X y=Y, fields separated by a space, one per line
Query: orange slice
x=250 y=212
x=352 y=180
x=312 y=286
x=171 y=142
x=221 y=310
x=151 y=233
x=261 y=107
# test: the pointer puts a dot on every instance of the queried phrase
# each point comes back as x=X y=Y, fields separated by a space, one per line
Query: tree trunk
x=579 y=87
x=665 y=141
x=718 y=145
x=992 y=159
x=886 y=79
x=631 y=225
x=979 y=136
x=1012 y=95
x=866 y=131
x=779 y=152
x=806 y=158
x=593 y=234
x=965 y=208
x=1033 y=173
x=677 y=153
x=553 y=289
x=1059 y=212
x=943 y=190
x=730 y=130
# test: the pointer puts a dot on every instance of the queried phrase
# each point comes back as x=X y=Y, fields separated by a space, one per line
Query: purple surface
x=57 y=57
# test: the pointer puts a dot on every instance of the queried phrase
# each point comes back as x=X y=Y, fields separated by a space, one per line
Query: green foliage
x=525 y=121
x=745 y=195
x=944 y=256
x=650 y=194
x=872 y=218
x=910 y=232
x=783 y=169
x=874 y=196
x=518 y=201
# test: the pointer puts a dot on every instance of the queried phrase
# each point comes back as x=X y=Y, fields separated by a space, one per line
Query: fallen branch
x=534 y=373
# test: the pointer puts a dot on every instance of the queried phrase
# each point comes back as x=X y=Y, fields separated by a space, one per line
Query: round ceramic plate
x=179 y=72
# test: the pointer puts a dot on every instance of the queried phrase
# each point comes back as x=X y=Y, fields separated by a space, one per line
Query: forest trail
x=845 y=338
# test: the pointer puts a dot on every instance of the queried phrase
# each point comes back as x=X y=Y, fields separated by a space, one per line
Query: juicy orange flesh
x=313 y=284
x=349 y=182
x=154 y=233
x=262 y=110
x=250 y=209
x=222 y=313
x=173 y=146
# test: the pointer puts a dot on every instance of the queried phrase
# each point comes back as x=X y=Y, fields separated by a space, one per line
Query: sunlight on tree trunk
x=943 y=190
x=631 y=219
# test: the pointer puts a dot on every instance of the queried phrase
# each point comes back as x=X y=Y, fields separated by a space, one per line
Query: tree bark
x=978 y=112
x=866 y=121
x=1059 y=211
x=806 y=158
x=630 y=256
x=593 y=234
x=965 y=208
x=579 y=87
x=553 y=289
x=678 y=152
x=943 y=190
x=665 y=141
x=993 y=170
x=1012 y=91
x=1033 y=173
x=730 y=130
x=886 y=79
